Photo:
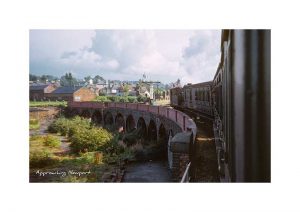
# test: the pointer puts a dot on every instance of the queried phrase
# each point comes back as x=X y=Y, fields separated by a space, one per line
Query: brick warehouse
x=72 y=93
x=38 y=92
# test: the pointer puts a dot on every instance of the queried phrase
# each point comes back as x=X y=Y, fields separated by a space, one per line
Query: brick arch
x=108 y=119
x=152 y=131
x=120 y=122
x=162 y=133
x=141 y=124
x=163 y=139
x=71 y=112
x=130 y=123
x=97 y=117
x=170 y=133
x=86 y=113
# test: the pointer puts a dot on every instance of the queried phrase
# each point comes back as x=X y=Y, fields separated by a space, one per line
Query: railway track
x=205 y=161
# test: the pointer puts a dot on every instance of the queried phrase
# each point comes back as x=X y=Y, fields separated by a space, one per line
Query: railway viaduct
x=158 y=123
x=154 y=120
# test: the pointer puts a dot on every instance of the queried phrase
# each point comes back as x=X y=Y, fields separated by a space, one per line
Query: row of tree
x=66 y=80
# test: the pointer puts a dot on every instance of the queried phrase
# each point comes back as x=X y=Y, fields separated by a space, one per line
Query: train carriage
x=239 y=100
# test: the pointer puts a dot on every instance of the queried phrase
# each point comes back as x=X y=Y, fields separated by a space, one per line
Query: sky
x=164 y=55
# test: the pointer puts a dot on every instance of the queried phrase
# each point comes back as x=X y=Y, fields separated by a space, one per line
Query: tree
x=87 y=79
x=33 y=77
x=97 y=79
x=68 y=80
x=126 y=89
x=44 y=78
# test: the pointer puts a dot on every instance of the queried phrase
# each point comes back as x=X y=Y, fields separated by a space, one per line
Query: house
x=72 y=93
x=39 y=92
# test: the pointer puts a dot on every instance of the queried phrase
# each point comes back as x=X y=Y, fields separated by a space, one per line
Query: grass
x=47 y=103
x=88 y=149
x=34 y=124
x=162 y=102
x=53 y=158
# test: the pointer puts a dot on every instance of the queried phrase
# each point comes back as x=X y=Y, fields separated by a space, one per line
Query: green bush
x=113 y=98
x=132 y=99
x=68 y=126
x=52 y=141
x=102 y=99
x=125 y=99
x=33 y=121
x=86 y=140
x=34 y=124
x=142 y=98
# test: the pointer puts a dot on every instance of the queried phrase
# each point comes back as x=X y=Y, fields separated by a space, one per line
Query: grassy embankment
x=47 y=104
x=87 y=149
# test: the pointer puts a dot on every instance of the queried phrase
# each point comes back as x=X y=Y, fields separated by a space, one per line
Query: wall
x=85 y=94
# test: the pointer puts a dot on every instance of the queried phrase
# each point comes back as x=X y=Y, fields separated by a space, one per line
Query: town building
x=39 y=92
x=72 y=93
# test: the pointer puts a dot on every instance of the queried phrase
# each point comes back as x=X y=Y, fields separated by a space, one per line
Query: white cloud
x=201 y=57
x=165 y=55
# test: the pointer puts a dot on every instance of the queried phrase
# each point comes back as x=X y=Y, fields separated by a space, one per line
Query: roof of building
x=66 y=89
x=38 y=87
x=198 y=84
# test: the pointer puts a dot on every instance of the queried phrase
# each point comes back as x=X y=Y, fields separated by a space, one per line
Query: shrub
x=33 y=121
x=132 y=99
x=34 y=124
x=141 y=98
x=68 y=126
x=52 y=141
x=40 y=159
x=102 y=99
x=113 y=98
x=59 y=126
x=84 y=140
x=123 y=99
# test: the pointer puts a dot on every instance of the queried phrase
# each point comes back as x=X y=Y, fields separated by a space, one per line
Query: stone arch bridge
x=156 y=123
x=154 y=120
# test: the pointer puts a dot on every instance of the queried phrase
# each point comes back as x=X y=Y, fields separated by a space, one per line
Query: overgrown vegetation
x=47 y=103
x=52 y=141
x=67 y=127
x=126 y=99
x=34 y=124
x=87 y=140
x=41 y=151
x=89 y=148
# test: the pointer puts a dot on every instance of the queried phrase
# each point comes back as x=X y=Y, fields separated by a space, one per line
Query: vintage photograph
x=149 y=106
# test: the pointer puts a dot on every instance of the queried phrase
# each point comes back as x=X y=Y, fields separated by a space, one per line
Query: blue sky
x=165 y=55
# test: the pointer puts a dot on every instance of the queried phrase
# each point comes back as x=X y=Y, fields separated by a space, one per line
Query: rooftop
x=67 y=89
x=38 y=87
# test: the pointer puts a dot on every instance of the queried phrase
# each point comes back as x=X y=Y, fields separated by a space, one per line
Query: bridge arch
x=152 y=131
x=108 y=119
x=130 y=123
x=162 y=133
x=163 y=139
x=71 y=112
x=171 y=133
x=141 y=124
x=86 y=113
x=97 y=117
x=120 y=122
